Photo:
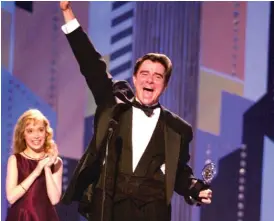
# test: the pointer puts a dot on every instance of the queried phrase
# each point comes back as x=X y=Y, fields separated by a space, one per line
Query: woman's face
x=35 y=135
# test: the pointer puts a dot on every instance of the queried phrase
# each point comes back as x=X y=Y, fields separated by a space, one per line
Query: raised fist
x=64 y=5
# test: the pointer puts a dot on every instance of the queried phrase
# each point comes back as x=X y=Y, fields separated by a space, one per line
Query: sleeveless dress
x=34 y=205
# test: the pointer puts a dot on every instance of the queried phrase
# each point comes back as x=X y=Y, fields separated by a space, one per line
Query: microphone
x=116 y=113
x=112 y=124
x=123 y=91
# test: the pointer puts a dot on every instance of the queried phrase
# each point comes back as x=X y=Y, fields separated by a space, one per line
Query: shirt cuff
x=70 y=26
x=194 y=202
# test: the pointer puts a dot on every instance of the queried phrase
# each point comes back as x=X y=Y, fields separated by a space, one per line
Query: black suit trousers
x=128 y=210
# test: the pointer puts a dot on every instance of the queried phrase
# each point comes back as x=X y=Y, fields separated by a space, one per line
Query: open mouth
x=36 y=142
x=148 y=89
x=147 y=93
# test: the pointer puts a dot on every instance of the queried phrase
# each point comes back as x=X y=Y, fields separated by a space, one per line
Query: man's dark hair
x=156 y=57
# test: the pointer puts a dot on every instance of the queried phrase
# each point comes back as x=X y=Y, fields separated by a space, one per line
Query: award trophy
x=208 y=173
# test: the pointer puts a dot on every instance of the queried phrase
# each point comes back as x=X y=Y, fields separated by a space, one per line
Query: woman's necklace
x=40 y=158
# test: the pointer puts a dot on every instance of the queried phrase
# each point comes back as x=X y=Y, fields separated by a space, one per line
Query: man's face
x=149 y=82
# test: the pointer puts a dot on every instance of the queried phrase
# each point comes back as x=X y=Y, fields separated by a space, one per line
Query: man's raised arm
x=91 y=63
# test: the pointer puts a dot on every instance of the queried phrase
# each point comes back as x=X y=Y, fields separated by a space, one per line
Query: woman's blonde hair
x=32 y=115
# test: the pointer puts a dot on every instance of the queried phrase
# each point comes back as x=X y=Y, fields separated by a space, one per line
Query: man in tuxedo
x=139 y=152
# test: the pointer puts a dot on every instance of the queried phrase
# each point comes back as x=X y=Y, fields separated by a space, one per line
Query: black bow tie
x=148 y=110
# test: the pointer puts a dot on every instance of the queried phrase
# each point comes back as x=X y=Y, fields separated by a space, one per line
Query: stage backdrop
x=219 y=52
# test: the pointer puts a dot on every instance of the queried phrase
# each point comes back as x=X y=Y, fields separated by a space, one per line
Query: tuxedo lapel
x=172 y=150
x=126 y=133
x=101 y=129
x=113 y=113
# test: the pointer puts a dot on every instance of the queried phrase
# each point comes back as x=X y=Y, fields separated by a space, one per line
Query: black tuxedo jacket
x=178 y=133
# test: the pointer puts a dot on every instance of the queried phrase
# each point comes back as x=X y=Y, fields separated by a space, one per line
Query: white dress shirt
x=142 y=130
x=142 y=125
